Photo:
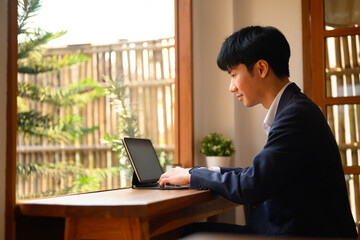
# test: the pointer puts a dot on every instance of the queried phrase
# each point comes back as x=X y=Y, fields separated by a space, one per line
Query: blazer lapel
x=287 y=95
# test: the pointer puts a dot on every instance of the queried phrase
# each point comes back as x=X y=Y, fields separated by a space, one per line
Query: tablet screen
x=143 y=159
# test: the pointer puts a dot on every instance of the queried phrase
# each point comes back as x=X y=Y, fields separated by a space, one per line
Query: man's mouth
x=239 y=96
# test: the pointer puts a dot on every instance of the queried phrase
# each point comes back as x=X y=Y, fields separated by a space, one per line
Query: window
x=331 y=69
x=183 y=100
x=69 y=140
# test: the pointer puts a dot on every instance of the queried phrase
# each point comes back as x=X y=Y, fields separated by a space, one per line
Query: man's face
x=245 y=85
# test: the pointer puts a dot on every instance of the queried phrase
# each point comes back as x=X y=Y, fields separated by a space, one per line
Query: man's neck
x=273 y=88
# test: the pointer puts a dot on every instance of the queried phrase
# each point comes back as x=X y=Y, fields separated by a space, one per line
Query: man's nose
x=232 y=87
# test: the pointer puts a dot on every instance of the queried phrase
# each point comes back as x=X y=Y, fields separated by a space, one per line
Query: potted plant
x=218 y=150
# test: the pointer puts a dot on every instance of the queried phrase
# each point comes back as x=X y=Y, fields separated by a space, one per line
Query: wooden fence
x=342 y=80
x=148 y=68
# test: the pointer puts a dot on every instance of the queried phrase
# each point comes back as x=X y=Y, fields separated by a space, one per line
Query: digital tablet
x=146 y=165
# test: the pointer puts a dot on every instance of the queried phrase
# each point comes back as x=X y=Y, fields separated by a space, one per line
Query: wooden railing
x=148 y=68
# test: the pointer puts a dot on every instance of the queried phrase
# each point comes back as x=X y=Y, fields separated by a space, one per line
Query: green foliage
x=127 y=111
x=26 y=10
x=165 y=159
x=31 y=60
x=215 y=144
x=31 y=39
x=31 y=45
x=66 y=129
x=85 y=180
x=77 y=94
x=54 y=128
x=128 y=119
x=127 y=123
x=41 y=64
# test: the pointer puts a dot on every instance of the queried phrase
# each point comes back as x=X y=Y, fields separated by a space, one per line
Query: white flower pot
x=218 y=161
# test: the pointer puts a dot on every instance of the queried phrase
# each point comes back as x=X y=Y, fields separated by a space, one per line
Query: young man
x=296 y=185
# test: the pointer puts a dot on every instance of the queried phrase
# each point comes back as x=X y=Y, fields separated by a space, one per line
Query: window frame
x=184 y=151
x=11 y=122
x=314 y=35
x=184 y=125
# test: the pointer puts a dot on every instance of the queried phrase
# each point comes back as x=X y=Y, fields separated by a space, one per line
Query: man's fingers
x=163 y=181
x=165 y=175
x=164 y=178
x=176 y=176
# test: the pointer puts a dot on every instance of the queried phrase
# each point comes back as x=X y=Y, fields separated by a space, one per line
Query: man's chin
x=247 y=104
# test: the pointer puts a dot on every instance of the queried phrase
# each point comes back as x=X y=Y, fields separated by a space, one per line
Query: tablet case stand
x=139 y=185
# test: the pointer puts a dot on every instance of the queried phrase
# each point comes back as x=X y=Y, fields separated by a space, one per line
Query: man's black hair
x=250 y=44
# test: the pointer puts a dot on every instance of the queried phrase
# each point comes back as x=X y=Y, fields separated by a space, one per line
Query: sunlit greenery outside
x=68 y=129
x=55 y=129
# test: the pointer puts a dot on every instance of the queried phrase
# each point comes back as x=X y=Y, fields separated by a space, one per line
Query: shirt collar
x=270 y=116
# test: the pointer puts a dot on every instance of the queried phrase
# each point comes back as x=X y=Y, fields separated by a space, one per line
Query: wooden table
x=116 y=214
x=215 y=236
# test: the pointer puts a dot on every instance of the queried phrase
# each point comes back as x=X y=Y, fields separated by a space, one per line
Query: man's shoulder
x=299 y=103
x=294 y=98
x=300 y=110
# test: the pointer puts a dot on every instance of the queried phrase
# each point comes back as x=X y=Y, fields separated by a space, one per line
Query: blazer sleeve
x=229 y=169
x=282 y=160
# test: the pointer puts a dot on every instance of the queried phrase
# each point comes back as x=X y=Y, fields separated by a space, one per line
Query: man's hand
x=175 y=176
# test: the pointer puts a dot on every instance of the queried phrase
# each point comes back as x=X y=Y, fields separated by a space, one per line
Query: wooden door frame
x=11 y=122
x=314 y=60
x=314 y=54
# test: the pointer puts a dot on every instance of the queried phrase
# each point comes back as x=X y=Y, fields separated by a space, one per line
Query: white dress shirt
x=270 y=116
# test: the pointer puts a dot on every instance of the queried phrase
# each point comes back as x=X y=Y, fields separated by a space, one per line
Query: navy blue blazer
x=296 y=185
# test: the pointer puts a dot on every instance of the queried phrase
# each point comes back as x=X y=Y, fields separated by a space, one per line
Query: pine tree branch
x=35 y=124
x=32 y=60
x=77 y=94
x=26 y=10
x=129 y=120
x=32 y=44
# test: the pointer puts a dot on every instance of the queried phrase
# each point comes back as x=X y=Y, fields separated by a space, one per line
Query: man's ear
x=263 y=68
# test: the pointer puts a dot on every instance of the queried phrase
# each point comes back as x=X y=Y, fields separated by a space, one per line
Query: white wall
x=213 y=105
x=215 y=109
x=3 y=59
x=266 y=13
